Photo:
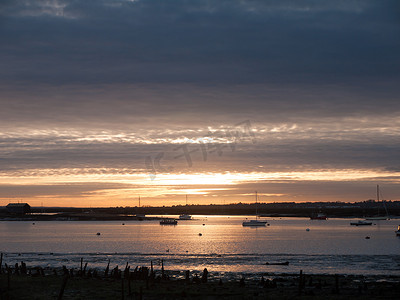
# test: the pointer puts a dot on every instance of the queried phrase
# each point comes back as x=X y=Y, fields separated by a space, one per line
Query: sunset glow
x=99 y=105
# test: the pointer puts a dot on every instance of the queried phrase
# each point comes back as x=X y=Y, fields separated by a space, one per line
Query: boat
x=319 y=216
x=376 y=218
x=372 y=218
x=255 y=222
x=285 y=263
x=168 y=221
x=140 y=216
x=361 y=223
x=185 y=216
x=398 y=231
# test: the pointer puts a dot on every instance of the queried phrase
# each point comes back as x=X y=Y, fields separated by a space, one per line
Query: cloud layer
x=91 y=89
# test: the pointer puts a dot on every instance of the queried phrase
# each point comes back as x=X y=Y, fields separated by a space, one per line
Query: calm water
x=225 y=247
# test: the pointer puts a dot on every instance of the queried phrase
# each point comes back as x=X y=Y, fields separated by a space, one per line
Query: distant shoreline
x=368 y=208
x=114 y=217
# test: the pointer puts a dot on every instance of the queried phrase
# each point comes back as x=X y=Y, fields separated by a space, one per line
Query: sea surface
x=225 y=247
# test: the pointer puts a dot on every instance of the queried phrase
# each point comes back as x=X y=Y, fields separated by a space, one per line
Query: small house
x=18 y=208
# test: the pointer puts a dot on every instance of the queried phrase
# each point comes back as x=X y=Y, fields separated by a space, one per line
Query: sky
x=103 y=101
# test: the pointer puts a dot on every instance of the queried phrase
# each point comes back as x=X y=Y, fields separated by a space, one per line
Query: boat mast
x=377 y=192
x=383 y=201
x=256 y=207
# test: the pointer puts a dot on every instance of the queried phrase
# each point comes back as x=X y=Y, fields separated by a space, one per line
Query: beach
x=40 y=283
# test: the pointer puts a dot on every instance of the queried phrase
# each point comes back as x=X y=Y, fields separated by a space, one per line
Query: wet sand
x=47 y=284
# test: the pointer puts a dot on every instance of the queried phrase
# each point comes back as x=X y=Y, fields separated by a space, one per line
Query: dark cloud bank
x=318 y=80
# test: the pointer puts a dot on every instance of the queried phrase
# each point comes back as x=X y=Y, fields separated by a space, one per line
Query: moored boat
x=185 y=217
x=378 y=217
x=255 y=222
x=285 y=263
x=361 y=223
x=168 y=221
x=319 y=216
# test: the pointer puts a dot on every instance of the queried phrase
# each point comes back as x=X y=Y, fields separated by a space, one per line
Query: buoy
x=98 y=233
x=200 y=234
x=204 y=224
x=123 y=223
x=308 y=229
x=367 y=237
x=33 y=223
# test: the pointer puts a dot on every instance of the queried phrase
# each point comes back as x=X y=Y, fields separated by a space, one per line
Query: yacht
x=379 y=217
x=361 y=223
x=168 y=221
x=319 y=216
x=185 y=216
x=255 y=222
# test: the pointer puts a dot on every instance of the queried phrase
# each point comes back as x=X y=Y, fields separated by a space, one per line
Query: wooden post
x=81 y=266
x=300 y=281
x=1 y=263
x=8 y=279
x=187 y=276
x=162 y=269
x=336 y=283
x=122 y=288
x=204 y=276
x=152 y=274
x=84 y=269
x=64 y=283
x=107 y=269
x=129 y=284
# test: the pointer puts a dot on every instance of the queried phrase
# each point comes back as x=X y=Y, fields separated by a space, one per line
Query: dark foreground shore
x=141 y=284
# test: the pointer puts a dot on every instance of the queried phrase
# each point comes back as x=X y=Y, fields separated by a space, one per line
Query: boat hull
x=360 y=223
x=317 y=218
x=254 y=223
x=168 y=222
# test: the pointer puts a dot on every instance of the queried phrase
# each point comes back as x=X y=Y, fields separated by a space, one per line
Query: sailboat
x=140 y=216
x=185 y=216
x=383 y=201
x=255 y=222
x=361 y=223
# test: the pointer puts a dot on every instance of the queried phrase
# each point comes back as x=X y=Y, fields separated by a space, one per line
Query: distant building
x=18 y=208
